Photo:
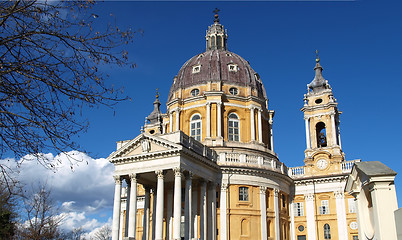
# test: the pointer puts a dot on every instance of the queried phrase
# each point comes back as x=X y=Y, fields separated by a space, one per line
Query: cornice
x=255 y=172
x=319 y=107
x=321 y=179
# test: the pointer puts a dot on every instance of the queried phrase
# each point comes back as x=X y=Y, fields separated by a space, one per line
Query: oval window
x=301 y=228
x=233 y=91
x=195 y=92
x=318 y=101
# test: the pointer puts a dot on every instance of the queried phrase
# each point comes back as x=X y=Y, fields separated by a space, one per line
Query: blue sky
x=360 y=50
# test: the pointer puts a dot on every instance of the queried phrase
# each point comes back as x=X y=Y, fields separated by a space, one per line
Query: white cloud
x=84 y=189
x=87 y=182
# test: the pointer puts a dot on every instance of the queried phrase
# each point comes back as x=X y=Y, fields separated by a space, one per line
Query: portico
x=166 y=167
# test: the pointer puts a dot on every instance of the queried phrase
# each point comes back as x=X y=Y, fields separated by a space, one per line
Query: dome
x=217 y=64
x=214 y=66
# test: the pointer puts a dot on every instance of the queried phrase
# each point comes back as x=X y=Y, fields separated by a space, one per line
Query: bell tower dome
x=321 y=117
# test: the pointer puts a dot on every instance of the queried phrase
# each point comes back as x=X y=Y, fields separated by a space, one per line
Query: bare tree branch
x=50 y=55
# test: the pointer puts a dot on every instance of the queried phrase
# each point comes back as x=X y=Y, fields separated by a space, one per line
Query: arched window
x=219 y=42
x=195 y=127
x=327 y=231
x=233 y=127
x=213 y=42
x=321 y=134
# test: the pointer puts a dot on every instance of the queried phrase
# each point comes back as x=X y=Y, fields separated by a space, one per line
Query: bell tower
x=323 y=152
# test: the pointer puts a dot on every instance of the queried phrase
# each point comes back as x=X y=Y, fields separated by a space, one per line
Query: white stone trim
x=310 y=216
x=341 y=214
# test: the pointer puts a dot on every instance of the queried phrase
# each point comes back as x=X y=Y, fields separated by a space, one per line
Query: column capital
x=177 y=110
x=117 y=179
x=160 y=173
x=133 y=176
x=189 y=175
x=252 y=108
x=263 y=190
x=177 y=172
x=224 y=187
x=219 y=104
x=208 y=104
x=306 y=117
x=276 y=192
x=309 y=196
x=339 y=194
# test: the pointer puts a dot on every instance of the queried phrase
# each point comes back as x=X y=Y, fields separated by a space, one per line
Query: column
x=171 y=121
x=310 y=216
x=223 y=211
x=263 y=206
x=277 y=211
x=306 y=122
x=153 y=213
x=195 y=213
x=292 y=220
x=252 y=123
x=339 y=137
x=188 y=207
x=333 y=129
x=128 y=190
x=169 y=214
x=208 y=120
x=177 y=204
x=133 y=207
x=219 y=119
x=177 y=119
x=341 y=215
x=271 y=132
x=203 y=211
x=116 y=208
x=212 y=202
x=164 y=128
x=145 y=222
x=259 y=120
x=159 y=206
x=121 y=234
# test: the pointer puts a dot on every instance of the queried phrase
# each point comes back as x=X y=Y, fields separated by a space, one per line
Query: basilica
x=207 y=168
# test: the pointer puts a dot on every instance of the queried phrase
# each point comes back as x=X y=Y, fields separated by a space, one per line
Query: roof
x=214 y=67
x=374 y=168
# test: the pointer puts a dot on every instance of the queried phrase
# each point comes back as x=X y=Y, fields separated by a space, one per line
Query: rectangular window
x=301 y=237
x=352 y=205
x=355 y=237
x=298 y=209
x=324 y=208
x=243 y=193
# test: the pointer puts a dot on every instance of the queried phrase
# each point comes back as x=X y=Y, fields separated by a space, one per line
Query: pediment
x=144 y=144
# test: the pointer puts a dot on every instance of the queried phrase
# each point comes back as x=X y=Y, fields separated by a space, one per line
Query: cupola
x=216 y=37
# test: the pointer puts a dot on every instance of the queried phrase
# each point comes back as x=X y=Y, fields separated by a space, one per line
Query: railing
x=347 y=166
x=197 y=147
x=250 y=160
x=296 y=172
